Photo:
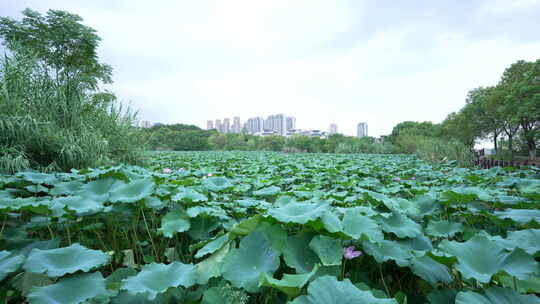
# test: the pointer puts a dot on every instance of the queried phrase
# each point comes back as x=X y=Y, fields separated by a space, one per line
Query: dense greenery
x=177 y=137
x=262 y=227
x=181 y=137
x=510 y=109
x=52 y=114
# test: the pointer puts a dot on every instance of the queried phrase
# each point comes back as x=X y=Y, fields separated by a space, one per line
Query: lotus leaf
x=61 y=261
x=157 y=278
x=328 y=289
x=75 y=289
x=244 y=265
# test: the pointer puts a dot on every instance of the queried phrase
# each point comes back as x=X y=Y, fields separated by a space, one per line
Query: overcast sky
x=380 y=62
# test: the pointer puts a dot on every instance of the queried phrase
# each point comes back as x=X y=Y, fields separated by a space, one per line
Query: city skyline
x=280 y=123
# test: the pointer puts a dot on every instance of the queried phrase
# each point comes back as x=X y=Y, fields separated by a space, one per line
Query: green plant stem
x=50 y=231
x=68 y=234
x=150 y=236
x=342 y=275
x=384 y=283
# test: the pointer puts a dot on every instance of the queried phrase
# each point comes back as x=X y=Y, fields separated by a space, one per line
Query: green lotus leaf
x=430 y=270
x=331 y=222
x=155 y=278
x=299 y=255
x=214 y=211
x=211 y=267
x=401 y=225
x=389 y=250
x=202 y=226
x=467 y=194
x=290 y=284
x=75 y=289
x=38 y=178
x=480 y=258
x=189 y=195
x=114 y=280
x=217 y=183
x=520 y=264
x=243 y=266
x=20 y=203
x=442 y=296
x=531 y=285
x=275 y=234
x=528 y=240
x=529 y=186
x=245 y=226
x=173 y=222
x=471 y=297
x=9 y=263
x=329 y=250
x=426 y=204
x=100 y=189
x=248 y=203
x=328 y=289
x=522 y=216
x=496 y=295
x=60 y=261
x=24 y=282
x=212 y=246
x=124 y=297
x=443 y=228
x=81 y=205
x=359 y=226
x=133 y=191
x=154 y=202
x=50 y=244
x=300 y=213
x=268 y=191
x=66 y=188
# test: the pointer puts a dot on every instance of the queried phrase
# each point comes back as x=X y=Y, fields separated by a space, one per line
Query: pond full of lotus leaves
x=257 y=227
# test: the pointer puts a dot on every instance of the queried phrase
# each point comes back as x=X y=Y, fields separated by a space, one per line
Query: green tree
x=272 y=143
x=521 y=85
x=60 y=42
x=52 y=116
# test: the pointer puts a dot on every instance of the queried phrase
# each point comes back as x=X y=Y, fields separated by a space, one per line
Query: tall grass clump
x=51 y=123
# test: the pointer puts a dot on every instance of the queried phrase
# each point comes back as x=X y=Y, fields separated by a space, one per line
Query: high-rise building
x=209 y=125
x=276 y=123
x=361 y=130
x=255 y=125
x=146 y=124
x=268 y=124
x=290 y=123
x=332 y=129
x=218 y=125
x=236 y=125
x=226 y=125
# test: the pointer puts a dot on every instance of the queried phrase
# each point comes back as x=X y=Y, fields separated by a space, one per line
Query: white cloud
x=189 y=61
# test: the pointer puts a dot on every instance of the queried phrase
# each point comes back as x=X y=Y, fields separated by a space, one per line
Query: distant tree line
x=180 y=137
x=507 y=114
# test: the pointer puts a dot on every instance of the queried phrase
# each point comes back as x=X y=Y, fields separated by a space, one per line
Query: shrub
x=47 y=124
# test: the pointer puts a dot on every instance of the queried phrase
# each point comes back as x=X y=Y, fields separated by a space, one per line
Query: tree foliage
x=60 y=42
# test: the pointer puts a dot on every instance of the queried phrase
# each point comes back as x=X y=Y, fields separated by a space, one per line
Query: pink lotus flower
x=396 y=179
x=349 y=253
x=413 y=178
x=167 y=170
x=209 y=174
x=181 y=169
